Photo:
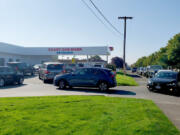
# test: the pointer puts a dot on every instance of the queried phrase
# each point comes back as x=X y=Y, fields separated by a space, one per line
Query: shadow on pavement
x=96 y=91
x=167 y=93
x=12 y=86
x=29 y=76
x=134 y=75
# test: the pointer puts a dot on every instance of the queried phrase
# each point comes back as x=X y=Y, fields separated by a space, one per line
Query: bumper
x=49 y=77
x=55 y=82
x=113 y=84
x=161 y=87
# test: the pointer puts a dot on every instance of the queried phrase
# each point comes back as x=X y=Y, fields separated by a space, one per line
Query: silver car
x=49 y=70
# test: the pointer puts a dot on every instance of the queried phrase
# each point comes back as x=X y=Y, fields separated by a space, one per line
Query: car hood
x=63 y=75
x=162 y=80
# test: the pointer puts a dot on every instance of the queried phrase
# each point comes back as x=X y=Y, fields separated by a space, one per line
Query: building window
x=17 y=60
x=10 y=59
x=2 y=61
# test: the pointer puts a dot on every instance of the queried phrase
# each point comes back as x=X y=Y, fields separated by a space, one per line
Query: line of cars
x=159 y=79
x=14 y=73
x=65 y=76
x=149 y=71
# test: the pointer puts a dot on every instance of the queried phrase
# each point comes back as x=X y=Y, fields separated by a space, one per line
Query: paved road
x=170 y=105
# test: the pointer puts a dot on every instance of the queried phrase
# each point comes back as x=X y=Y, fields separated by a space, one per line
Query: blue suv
x=87 y=77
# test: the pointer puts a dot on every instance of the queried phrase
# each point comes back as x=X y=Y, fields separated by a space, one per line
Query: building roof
x=20 y=50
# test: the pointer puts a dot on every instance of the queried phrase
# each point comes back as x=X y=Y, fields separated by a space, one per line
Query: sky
x=47 y=23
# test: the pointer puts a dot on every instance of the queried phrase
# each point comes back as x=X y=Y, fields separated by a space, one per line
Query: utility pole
x=124 y=48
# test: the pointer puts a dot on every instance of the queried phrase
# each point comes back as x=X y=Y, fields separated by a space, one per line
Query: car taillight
x=113 y=75
x=46 y=72
x=16 y=68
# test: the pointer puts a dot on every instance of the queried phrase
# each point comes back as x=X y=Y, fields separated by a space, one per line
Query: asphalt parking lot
x=32 y=86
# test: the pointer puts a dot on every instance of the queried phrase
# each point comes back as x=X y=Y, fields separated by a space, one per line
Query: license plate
x=158 y=87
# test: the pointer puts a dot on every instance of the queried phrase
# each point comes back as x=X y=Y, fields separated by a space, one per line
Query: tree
x=111 y=66
x=166 y=56
x=117 y=61
x=173 y=51
x=95 y=58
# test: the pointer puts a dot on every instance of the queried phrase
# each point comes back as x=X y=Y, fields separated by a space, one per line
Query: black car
x=165 y=80
x=22 y=67
x=87 y=77
x=9 y=76
x=134 y=69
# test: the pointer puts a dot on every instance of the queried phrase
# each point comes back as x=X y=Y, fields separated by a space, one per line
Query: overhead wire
x=92 y=11
x=100 y=12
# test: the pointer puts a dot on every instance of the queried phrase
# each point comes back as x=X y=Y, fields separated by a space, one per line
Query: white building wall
x=27 y=59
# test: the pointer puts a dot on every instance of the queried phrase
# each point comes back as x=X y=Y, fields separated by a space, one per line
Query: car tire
x=32 y=73
x=45 y=81
x=62 y=84
x=40 y=78
x=150 y=89
x=176 y=92
x=103 y=86
x=21 y=80
x=2 y=82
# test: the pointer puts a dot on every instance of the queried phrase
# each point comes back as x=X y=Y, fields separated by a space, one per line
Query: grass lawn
x=124 y=80
x=82 y=115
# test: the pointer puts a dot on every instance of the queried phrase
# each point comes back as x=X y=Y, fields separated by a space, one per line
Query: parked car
x=165 y=80
x=152 y=70
x=9 y=76
x=102 y=78
x=37 y=67
x=144 y=73
x=22 y=67
x=134 y=69
x=140 y=70
x=49 y=70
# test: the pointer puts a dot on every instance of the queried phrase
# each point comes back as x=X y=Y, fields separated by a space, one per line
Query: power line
x=105 y=17
x=97 y=16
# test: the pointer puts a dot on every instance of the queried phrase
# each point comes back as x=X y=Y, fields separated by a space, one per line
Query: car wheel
x=32 y=73
x=175 y=92
x=39 y=77
x=21 y=80
x=45 y=81
x=103 y=86
x=150 y=89
x=62 y=84
x=2 y=82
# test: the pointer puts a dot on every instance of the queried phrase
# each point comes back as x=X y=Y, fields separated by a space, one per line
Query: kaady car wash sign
x=98 y=50
x=65 y=51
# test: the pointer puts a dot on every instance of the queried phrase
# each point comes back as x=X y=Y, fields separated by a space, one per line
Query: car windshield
x=156 y=67
x=55 y=66
x=166 y=75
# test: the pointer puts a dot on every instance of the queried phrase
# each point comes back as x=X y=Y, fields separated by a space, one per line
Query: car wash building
x=37 y=55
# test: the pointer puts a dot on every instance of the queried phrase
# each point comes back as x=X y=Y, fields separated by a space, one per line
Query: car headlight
x=171 y=84
x=149 y=82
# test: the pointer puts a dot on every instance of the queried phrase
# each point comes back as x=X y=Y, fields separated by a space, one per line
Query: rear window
x=110 y=73
x=55 y=66
x=20 y=65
